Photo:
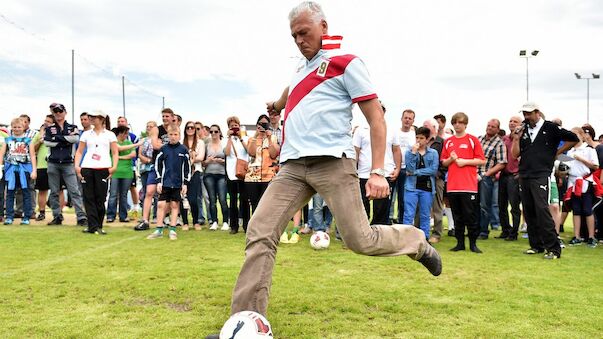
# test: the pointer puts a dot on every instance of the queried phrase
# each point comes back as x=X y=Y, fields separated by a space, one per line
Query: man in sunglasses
x=60 y=138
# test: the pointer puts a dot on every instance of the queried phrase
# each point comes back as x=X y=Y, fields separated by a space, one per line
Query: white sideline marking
x=64 y=258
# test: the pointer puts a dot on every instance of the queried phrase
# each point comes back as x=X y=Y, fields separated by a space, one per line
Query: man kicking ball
x=319 y=99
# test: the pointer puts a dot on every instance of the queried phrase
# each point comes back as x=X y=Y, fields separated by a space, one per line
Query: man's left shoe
x=431 y=260
x=475 y=249
x=551 y=256
x=24 y=221
x=82 y=222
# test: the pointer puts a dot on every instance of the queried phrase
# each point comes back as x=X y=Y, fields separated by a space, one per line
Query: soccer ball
x=246 y=325
x=320 y=240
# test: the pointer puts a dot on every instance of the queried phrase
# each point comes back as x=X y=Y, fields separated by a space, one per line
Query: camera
x=265 y=125
x=235 y=130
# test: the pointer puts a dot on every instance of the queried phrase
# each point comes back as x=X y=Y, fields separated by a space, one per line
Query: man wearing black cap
x=536 y=142
x=60 y=139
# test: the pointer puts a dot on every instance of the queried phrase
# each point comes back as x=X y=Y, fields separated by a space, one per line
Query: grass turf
x=58 y=282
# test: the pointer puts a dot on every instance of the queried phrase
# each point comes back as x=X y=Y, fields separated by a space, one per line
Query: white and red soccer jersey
x=318 y=113
x=462 y=179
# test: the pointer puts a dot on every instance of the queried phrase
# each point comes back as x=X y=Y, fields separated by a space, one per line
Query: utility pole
x=72 y=86
x=123 y=93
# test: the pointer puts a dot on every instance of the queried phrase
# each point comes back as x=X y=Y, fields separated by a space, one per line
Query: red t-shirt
x=462 y=179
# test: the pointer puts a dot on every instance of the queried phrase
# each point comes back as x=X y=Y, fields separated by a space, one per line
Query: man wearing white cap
x=537 y=145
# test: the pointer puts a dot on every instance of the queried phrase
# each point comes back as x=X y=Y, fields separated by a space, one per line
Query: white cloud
x=433 y=56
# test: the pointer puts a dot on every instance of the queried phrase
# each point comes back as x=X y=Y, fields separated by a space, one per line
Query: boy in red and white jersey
x=462 y=153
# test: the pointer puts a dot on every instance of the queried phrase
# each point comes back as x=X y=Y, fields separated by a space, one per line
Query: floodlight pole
x=72 y=86
x=579 y=77
x=123 y=94
x=523 y=54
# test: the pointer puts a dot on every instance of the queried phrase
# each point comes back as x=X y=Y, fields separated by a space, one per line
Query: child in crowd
x=172 y=167
x=122 y=178
x=20 y=169
x=462 y=153
x=422 y=164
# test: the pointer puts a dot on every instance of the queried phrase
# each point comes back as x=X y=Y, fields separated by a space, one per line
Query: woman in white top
x=196 y=150
x=236 y=147
x=96 y=168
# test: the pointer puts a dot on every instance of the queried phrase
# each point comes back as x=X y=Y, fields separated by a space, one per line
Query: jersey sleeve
x=357 y=82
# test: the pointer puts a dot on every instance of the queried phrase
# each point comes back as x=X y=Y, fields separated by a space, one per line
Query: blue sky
x=213 y=59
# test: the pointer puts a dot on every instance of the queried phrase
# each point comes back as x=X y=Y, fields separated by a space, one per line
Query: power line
x=88 y=61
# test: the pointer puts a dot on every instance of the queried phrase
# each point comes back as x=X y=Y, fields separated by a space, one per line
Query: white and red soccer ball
x=246 y=325
x=320 y=240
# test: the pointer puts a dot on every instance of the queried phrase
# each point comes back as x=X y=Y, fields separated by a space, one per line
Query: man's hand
x=394 y=175
x=377 y=187
x=33 y=174
x=159 y=188
x=461 y=162
x=183 y=190
x=453 y=156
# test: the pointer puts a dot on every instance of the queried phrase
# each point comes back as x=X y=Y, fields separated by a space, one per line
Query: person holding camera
x=60 y=138
x=263 y=149
x=236 y=148
x=196 y=153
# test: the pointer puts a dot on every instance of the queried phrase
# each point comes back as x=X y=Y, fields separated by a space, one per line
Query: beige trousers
x=335 y=179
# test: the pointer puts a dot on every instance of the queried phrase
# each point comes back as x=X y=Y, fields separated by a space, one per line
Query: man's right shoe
x=431 y=260
x=214 y=226
x=142 y=226
x=511 y=238
x=41 y=217
x=82 y=222
x=55 y=221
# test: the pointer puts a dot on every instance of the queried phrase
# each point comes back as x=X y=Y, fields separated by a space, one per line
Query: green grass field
x=58 y=282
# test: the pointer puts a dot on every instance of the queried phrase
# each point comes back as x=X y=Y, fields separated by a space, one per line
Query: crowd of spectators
x=202 y=170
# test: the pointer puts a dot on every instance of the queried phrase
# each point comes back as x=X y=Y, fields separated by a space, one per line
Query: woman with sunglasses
x=215 y=177
x=236 y=148
x=196 y=150
x=263 y=149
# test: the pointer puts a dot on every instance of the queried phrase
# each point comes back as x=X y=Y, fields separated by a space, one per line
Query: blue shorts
x=152 y=178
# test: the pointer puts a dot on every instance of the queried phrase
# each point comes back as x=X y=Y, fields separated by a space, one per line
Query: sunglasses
x=214 y=132
x=190 y=127
x=199 y=128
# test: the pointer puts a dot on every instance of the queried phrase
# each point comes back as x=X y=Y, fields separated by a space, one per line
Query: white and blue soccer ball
x=246 y=325
x=320 y=240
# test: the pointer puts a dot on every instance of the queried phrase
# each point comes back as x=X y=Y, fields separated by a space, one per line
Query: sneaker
x=482 y=236
x=155 y=235
x=8 y=221
x=561 y=242
x=108 y=221
x=24 y=221
x=173 y=236
x=592 y=243
x=225 y=227
x=82 y=222
x=179 y=221
x=202 y=221
x=214 y=226
x=294 y=238
x=142 y=226
x=306 y=230
x=100 y=231
x=531 y=251
x=55 y=221
x=502 y=235
x=575 y=241
x=284 y=238
x=41 y=216
x=431 y=260
x=124 y=220
x=551 y=256
x=511 y=238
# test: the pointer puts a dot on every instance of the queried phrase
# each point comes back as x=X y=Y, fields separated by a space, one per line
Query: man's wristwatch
x=378 y=171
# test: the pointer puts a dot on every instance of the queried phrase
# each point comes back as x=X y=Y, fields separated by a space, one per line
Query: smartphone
x=265 y=125
x=235 y=130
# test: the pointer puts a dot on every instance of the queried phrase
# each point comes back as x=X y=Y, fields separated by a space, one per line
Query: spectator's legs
x=54 y=181
x=68 y=174
x=211 y=185
x=112 y=203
